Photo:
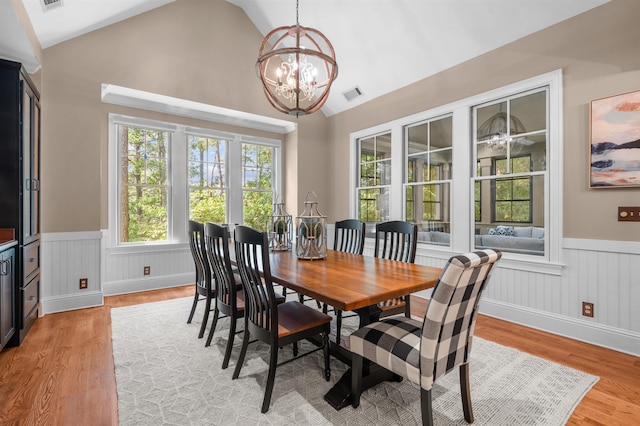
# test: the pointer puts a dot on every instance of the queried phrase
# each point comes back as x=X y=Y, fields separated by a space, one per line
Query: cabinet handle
x=32 y=298
x=27 y=184
x=32 y=259
x=3 y=269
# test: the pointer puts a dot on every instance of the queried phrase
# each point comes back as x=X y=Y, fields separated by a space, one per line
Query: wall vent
x=353 y=93
x=50 y=4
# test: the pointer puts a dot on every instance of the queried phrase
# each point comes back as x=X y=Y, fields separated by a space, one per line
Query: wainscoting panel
x=123 y=269
x=65 y=259
x=605 y=273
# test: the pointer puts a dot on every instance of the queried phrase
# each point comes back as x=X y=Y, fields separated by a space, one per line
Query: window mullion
x=396 y=196
x=462 y=190
x=178 y=211
x=234 y=174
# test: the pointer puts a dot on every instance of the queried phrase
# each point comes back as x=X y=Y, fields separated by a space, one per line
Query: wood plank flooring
x=63 y=373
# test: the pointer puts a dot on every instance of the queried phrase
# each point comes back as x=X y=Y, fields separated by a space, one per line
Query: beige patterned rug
x=166 y=376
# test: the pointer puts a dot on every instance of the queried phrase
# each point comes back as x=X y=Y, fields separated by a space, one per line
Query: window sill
x=536 y=264
x=147 y=248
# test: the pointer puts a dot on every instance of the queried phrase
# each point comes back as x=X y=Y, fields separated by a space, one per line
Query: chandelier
x=296 y=66
x=499 y=129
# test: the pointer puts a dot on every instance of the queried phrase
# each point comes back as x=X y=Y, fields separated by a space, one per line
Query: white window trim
x=178 y=211
x=462 y=217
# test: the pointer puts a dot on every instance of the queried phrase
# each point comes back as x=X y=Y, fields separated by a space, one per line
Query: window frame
x=178 y=211
x=463 y=188
x=375 y=162
x=165 y=186
x=435 y=178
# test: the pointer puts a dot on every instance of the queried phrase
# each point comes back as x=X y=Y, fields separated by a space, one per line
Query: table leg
x=339 y=396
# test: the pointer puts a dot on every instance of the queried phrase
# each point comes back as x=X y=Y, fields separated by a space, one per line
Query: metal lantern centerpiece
x=280 y=228
x=311 y=241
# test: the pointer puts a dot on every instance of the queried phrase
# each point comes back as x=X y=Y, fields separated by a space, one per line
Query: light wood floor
x=63 y=373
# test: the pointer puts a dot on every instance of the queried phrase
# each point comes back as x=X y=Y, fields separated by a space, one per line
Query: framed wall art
x=615 y=141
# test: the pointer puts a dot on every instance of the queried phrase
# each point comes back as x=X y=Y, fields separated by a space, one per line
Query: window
x=207 y=179
x=500 y=190
x=257 y=185
x=429 y=153
x=511 y=147
x=374 y=178
x=144 y=184
x=167 y=174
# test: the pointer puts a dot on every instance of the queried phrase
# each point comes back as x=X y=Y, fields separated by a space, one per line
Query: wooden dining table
x=351 y=282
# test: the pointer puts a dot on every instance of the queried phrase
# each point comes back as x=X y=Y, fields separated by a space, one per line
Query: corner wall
x=598 y=54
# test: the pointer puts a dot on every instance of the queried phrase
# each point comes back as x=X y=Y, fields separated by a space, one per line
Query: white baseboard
x=70 y=302
x=133 y=286
x=608 y=337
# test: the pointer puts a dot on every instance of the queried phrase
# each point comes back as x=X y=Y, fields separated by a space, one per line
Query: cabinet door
x=7 y=291
x=35 y=169
x=30 y=197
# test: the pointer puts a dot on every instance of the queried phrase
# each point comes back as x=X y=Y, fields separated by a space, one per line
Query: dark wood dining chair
x=396 y=240
x=204 y=290
x=277 y=325
x=423 y=351
x=229 y=294
x=228 y=287
x=348 y=237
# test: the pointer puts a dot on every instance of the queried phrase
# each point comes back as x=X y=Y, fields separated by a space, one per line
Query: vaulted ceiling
x=380 y=45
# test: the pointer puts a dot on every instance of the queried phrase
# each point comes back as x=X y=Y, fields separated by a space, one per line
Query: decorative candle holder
x=311 y=225
x=280 y=228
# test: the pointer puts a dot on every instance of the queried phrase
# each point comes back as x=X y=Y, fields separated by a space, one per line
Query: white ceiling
x=380 y=45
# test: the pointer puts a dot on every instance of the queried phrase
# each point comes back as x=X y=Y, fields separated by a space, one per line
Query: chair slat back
x=349 y=236
x=450 y=319
x=252 y=259
x=396 y=240
x=196 y=244
x=216 y=240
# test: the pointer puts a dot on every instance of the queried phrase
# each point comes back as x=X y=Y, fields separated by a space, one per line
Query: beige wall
x=199 y=50
x=205 y=51
x=599 y=54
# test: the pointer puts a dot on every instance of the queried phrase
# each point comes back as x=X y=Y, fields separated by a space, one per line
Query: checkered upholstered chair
x=422 y=351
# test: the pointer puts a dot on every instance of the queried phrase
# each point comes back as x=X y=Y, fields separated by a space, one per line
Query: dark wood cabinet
x=7 y=293
x=20 y=187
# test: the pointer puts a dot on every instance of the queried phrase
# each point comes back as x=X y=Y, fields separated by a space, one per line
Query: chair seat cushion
x=294 y=317
x=393 y=343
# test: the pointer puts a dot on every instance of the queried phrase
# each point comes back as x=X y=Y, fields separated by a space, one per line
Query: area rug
x=165 y=375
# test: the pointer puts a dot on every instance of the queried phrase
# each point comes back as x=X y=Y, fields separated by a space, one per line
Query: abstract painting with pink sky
x=615 y=141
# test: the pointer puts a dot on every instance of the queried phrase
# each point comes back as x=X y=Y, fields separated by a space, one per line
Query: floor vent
x=353 y=93
x=50 y=4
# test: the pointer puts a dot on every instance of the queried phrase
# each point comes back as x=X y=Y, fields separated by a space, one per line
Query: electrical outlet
x=628 y=214
x=147 y=270
x=84 y=283
x=587 y=309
